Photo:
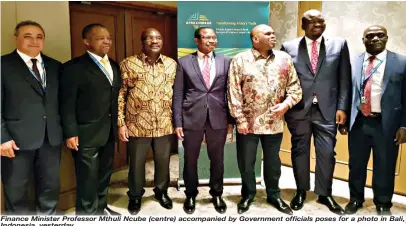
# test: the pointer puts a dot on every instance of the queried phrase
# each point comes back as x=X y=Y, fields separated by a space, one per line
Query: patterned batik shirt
x=257 y=83
x=145 y=98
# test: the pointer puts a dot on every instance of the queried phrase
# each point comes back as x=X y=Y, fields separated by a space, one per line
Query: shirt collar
x=144 y=58
x=381 y=56
x=201 y=55
x=257 y=54
x=310 y=42
x=27 y=58
x=97 y=57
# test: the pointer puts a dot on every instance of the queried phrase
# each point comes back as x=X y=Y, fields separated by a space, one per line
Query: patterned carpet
x=118 y=199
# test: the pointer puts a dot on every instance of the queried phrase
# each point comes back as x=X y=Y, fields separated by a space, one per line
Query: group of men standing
x=91 y=101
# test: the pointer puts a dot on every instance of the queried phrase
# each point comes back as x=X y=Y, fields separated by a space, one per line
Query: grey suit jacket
x=332 y=81
x=393 y=101
x=192 y=100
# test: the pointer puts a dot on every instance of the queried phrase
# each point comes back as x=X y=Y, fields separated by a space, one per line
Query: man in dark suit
x=30 y=130
x=323 y=66
x=89 y=88
x=377 y=120
x=200 y=109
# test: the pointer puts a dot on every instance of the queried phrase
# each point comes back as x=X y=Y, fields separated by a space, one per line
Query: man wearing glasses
x=145 y=116
x=200 y=109
x=377 y=120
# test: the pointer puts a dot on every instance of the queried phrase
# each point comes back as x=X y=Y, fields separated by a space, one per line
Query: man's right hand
x=179 y=133
x=72 y=143
x=123 y=133
x=7 y=149
x=242 y=128
x=343 y=129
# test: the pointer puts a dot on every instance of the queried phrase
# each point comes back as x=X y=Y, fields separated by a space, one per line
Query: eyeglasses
x=150 y=39
x=214 y=38
x=372 y=36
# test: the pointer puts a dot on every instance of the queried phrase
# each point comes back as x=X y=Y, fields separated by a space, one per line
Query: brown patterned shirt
x=256 y=84
x=145 y=98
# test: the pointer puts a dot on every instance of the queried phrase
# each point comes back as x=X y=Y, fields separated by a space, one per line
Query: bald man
x=323 y=67
x=377 y=120
x=145 y=116
x=262 y=86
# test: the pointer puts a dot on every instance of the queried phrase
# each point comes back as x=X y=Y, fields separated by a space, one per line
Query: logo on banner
x=197 y=19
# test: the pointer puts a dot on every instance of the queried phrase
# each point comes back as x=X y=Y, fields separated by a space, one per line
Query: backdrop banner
x=232 y=22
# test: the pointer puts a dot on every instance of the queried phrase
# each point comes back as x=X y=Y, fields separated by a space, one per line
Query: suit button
x=45 y=117
x=109 y=115
x=205 y=106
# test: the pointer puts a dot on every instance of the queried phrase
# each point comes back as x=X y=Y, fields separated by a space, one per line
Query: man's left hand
x=279 y=110
x=230 y=128
x=400 y=136
x=341 y=117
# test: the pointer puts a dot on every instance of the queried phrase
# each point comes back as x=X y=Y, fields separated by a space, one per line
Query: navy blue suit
x=331 y=83
x=377 y=133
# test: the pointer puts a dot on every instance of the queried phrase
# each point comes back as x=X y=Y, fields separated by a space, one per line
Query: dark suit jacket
x=192 y=101
x=393 y=101
x=26 y=111
x=88 y=101
x=332 y=81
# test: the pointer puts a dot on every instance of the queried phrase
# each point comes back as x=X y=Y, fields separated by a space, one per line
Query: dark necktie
x=35 y=70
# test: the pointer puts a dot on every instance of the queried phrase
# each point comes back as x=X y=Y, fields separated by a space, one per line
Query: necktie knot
x=34 y=60
x=314 y=43
x=104 y=62
x=371 y=58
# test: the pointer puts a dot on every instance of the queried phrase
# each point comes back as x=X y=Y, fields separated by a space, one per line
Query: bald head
x=263 y=37
x=152 y=42
x=375 y=39
x=313 y=24
x=375 y=27
x=257 y=29
x=145 y=33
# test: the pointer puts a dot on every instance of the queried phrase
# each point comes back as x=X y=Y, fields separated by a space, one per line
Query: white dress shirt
x=200 y=60
x=309 y=44
x=109 y=68
x=28 y=62
x=377 y=79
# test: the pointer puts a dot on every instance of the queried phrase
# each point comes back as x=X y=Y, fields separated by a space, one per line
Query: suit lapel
x=390 y=64
x=116 y=74
x=22 y=69
x=304 y=54
x=357 y=77
x=219 y=66
x=322 y=54
x=197 y=68
x=94 y=68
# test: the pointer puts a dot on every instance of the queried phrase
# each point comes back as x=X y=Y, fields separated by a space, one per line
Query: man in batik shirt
x=145 y=117
x=263 y=85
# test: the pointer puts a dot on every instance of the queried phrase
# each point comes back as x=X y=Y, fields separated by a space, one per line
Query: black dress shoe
x=331 y=204
x=110 y=212
x=219 y=204
x=298 y=201
x=383 y=211
x=189 y=205
x=352 y=207
x=244 y=205
x=134 y=206
x=280 y=205
x=164 y=200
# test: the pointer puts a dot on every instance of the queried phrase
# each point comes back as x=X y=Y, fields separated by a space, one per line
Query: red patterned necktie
x=366 y=106
x=315 y=56
x=206 y=71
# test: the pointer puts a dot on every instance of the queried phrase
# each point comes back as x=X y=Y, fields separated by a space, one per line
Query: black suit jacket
x=192 y=101
x=88 y=101
x=27 y=113
x=332 y=81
